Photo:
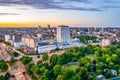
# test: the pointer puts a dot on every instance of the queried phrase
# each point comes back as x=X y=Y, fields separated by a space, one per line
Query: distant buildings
x=37 y=43
x=63 y=34
x=48 y=27
x=102 y=30
x=7 y=38
x=34 y=39
x=13 y=41
x=105 y=42
x=39 y=29
x=108 y=41
x=63 y=41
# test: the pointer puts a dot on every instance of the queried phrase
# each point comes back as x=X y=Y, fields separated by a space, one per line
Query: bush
x=25 y=60
x=15 y=54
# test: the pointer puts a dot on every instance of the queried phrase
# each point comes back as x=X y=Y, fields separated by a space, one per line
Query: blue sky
x=55 y=12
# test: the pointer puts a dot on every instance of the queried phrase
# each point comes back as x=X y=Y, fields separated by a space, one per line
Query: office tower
x=48 y=27
x=102 y=30
x=39 y=29
x=63 y=33
x=89 y=30
x=94 y=29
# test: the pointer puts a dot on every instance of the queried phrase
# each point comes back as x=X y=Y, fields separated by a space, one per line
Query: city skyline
x=55 y=12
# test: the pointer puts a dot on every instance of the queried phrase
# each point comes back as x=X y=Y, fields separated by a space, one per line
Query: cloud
x=110 y=7
x=1 y=14
x=57 y=4
x=81 y=1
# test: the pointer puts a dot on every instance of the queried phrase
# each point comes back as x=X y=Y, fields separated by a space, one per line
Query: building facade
x=63 y=33
x=29 y=41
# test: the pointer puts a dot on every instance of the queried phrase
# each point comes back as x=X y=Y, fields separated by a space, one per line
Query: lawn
x=72 y=66
x=91 y=57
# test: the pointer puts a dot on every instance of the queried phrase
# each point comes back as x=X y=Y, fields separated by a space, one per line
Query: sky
x=60 y=12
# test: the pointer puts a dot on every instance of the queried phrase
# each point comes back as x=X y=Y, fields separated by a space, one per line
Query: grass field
x=72 y=66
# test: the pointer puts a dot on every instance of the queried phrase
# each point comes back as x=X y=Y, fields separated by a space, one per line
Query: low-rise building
x=7 y=37
x=105 y=42
x=45 y=48
x=17 y=43
x=100 y=77
x=48 y=47
x=108 y=41
x=27 y=50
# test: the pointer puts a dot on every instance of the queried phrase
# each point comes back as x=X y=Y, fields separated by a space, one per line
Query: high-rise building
x=89 y=30
x=102 y=29
x=48 y=27
x=63 y=33
x=39 y=29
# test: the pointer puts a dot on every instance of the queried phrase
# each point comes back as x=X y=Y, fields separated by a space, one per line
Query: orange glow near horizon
x=24 y=24
x=35 y=24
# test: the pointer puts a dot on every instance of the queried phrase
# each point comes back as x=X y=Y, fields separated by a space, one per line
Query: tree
x=12 y=61
x=1 y=77
x=100 y=65
x=118 y=52
x=84 y=60
x=99 y=72
x=84 y=39
x=25 y=59
x=108 y=60
x=1 y=40
x=83 y=73
x=64 y=58
x=108 y=74
x=57 y=49
x=28 y=68
x=35 y=68
x=89 y=49
x=104 y=50
x=42 y=69
x=7 y=76
x=38 y=56
x=3 y=65
x=94 y=62
x=45 y=75
x=60 y=77
x=7 y=43
x=34 y=77
x=54 y=59
x=91 y=77
x=15 y=54
x=46 y=64
x=76 y=77
x=45 y=57
x=68 y=74
x=115 y=59
x=39 y=64
x=111 y=65
x=57 y=69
